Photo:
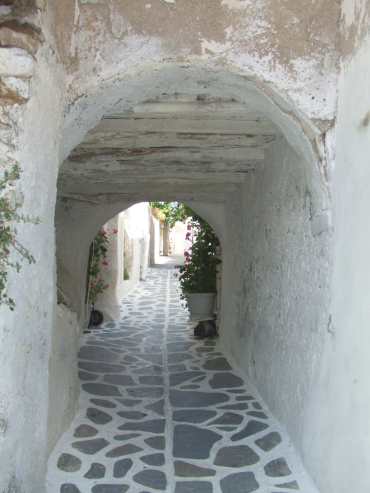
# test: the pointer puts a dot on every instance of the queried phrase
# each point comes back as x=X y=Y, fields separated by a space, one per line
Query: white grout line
x=167 y=406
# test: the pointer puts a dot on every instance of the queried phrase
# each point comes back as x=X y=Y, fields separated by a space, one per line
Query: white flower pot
x=201 y=305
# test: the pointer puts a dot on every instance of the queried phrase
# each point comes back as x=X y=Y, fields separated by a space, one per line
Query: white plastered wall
x=276 y=286
x=155 y=240
x=137 y=231
x=131 y=225
x=63 y=375
x=337 y=437
x=177 y=238
x=26 y=334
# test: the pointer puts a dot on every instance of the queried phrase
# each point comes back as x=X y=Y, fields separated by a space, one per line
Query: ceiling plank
x=157 y=167
x=172 y=125
x=168 y=155
x=183 y=140
x=175 y=107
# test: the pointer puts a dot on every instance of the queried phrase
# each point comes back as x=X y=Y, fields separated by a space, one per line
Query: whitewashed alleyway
x=161 y=411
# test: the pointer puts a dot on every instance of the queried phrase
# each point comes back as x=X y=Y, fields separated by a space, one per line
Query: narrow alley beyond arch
x=162 y=411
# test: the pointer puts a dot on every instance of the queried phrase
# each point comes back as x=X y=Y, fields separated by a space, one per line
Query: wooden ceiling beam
x=184 y=125
x=119 y=140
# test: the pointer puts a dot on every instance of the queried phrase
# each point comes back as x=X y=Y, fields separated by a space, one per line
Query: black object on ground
x=96 y=318
x=205 y=328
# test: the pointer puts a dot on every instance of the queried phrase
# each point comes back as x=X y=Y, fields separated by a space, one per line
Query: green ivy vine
x=12 y=252
x=173 y=211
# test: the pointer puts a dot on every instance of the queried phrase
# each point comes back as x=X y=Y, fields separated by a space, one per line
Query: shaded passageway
x=256 y=115
x=241 y=161
x=162 y=411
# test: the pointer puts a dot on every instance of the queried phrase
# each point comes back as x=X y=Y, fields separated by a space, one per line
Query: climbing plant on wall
x=172 y=211
x=98 y=260
x=12 y=252
x=98 y=255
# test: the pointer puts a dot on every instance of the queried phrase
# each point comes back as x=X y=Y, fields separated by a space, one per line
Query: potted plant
x=199 y=273
x=198 y=277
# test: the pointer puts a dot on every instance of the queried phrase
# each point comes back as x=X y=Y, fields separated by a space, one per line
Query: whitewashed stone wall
x=63 y=374
x=136 y=222
x=177 y=239
x=276 y=316
x=26 y=333
x=155 y=240
x=337 y=436
x=132 y=226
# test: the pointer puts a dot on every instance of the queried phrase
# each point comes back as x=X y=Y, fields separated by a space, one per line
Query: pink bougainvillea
x=99 y=250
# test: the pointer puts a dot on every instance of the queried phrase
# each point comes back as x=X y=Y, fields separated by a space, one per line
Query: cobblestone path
x=161 y=411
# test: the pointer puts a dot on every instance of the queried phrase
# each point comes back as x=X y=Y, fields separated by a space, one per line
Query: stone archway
x=233 y=147
x=58 y=61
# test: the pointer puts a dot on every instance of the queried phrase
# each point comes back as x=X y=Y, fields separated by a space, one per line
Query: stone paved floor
x=161 y=411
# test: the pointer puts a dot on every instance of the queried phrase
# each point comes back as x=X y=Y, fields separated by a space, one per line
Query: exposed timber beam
x=172 y=125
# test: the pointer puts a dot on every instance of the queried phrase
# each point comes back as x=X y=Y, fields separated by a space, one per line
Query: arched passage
x=82 y=221
x=97 y=49
x=133 y=241
x=251 y=163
